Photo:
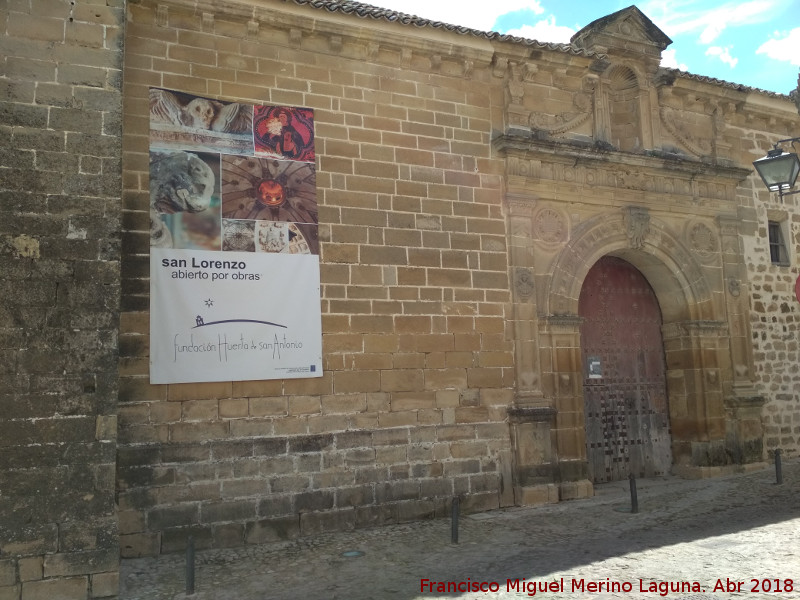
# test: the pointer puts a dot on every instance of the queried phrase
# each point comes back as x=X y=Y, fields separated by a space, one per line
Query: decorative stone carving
x=252 y=29
x=519 y=167
x=523 y=282
x=529 y=72
x=550 y=226
x=703 y=240
x=295 y=37
x=515 y=86
x=468 y=66
x=499 y=66
x=734 y=287
x=373 y=49
x=521 y=227
x=208 y=21
x=566 y=121
x=565 y=380
x=162 y=15
x=520 y=206
x=625 y=28
x=436 y=62
x=692 y=143
x=405 y=58
x=615 y=177
x=632 y=180
x=718 y=111
x=637 y=225
x=599 y=65
x=589 y=83
x=582 y=101
x=336 y=43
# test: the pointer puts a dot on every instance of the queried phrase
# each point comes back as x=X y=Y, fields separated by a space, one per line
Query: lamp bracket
x=792 y=140
x=779 y=169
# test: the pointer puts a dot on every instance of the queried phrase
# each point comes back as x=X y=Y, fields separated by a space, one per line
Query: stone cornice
x=749 y=104
x=526 y=146
x=561 y=322
x=752 y=400
x=726 y=88
x=410 y=47
x=531 y=414
x=700 y=328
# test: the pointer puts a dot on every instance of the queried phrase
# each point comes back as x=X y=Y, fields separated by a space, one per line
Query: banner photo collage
x=234 y=244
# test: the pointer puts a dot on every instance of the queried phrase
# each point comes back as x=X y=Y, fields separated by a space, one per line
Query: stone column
x=743 y=403
x=531 y=416
x=526 y=343
x=563 y=385
x=694 y=386
x=735 y=279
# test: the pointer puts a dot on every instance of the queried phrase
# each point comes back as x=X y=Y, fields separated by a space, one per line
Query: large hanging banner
x=234 y=245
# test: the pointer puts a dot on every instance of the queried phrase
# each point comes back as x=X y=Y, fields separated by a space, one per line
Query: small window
x=777 y=246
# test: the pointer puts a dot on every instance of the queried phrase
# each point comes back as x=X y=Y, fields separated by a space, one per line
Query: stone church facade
x=543 y=266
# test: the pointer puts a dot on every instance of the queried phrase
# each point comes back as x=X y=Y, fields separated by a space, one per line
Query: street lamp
x=779 y=169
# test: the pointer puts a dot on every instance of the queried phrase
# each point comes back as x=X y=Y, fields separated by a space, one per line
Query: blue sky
x=752 y=42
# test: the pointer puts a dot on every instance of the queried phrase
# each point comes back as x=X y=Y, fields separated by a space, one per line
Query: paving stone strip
x=738 y=534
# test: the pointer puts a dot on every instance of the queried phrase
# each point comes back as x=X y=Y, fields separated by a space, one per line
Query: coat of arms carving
x=637 y=225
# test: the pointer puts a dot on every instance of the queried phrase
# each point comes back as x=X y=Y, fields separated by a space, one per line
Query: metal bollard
x=454 y=521
x=634 y=496
x=778 y=470
x=190 y=566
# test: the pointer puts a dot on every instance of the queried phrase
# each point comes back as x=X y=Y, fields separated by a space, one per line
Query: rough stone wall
x=775 y=310
x=60 y=186
x=418 y=365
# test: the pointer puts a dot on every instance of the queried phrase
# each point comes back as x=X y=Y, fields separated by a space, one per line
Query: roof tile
x=374 y=12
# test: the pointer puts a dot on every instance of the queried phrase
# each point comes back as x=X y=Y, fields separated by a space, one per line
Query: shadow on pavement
x=732 y=528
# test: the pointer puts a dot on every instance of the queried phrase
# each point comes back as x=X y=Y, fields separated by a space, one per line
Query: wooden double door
x=624 y=386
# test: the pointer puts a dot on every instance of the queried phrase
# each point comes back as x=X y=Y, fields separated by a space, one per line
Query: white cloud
x=723 y=54
x=475 y=15
x=712 y=32
x=783 y=46
x=677 y=17
x=669 y=61
x=545 y=30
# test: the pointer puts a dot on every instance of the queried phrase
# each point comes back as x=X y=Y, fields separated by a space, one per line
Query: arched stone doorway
x=713 y=414
x=624 y=374
x=695 y=340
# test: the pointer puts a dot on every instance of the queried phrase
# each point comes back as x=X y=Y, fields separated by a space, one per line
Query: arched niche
x=624 y=109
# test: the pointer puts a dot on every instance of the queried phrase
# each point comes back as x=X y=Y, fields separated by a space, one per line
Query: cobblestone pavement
x=715 y=532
